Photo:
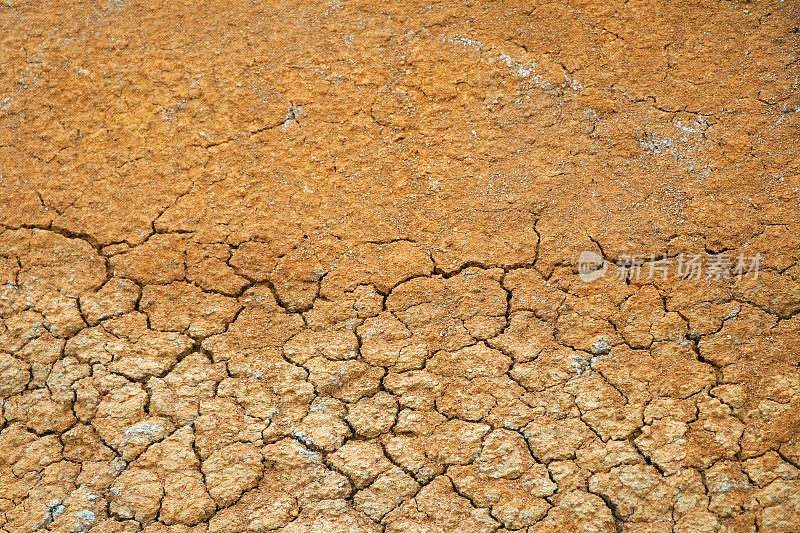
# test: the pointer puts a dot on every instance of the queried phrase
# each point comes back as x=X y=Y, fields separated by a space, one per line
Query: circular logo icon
x=591 y=266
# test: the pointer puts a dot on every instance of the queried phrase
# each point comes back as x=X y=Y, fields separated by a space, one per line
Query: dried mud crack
x=320 y=267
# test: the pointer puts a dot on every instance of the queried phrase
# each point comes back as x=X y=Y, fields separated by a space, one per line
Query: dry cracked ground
x=301 y=266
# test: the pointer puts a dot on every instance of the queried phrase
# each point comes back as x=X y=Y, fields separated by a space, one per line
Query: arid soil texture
x=401 y=267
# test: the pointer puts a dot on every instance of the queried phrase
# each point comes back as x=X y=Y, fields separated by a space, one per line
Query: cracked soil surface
x=312 y=266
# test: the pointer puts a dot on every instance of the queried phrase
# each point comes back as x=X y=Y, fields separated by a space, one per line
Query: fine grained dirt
x=312 y=266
